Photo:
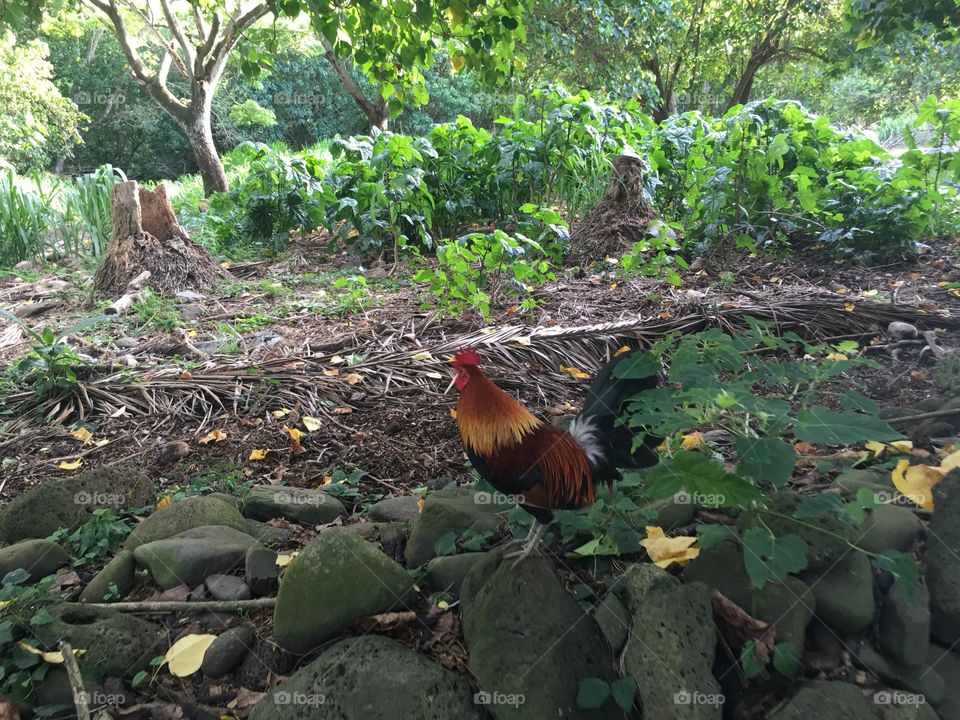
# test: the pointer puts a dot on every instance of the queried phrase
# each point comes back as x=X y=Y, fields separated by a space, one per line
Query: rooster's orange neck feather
x=488 y=418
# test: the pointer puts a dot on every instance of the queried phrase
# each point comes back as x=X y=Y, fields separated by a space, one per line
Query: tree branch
x=231 y=35
x=177 y=32
x=160 y=38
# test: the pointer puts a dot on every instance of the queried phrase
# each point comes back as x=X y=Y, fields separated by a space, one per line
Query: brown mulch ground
x=402 y=443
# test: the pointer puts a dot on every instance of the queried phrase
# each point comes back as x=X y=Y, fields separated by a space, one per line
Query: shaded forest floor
x=372 y=436
x=295 y=306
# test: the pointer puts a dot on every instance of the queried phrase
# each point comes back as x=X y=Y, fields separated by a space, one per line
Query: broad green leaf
x=703 y=478
x=771 y=558
x=623 y=691
x=819 y=505
x=903 y=567
x=766 y=460
x=636 y=366
x=785 y=659
x=446 y=544
x=592 y=693
x=710 y=535
x=751 y=665
x=821 y=426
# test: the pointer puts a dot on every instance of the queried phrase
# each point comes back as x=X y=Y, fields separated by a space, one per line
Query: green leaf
x=767 y=459
x=819 y=505
x=903 y=567
x=592 y=693
x=704 y=479
x=748 y=660
x=637 y=365
x=771 y=558
x=821 y=426
x=139 y=678
x=623 y=691
x=785 y=660
x=710 y=535
x=446 y=544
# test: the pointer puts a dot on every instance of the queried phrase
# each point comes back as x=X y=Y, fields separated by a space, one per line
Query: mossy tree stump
x=621 y=217
x=147 y=236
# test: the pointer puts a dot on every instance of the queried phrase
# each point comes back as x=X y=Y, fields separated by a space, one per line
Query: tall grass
x=44 y=217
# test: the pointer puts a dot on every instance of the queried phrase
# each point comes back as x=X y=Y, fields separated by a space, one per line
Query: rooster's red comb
x=466 y=357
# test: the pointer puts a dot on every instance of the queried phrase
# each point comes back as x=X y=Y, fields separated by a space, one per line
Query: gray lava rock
x=267 y=534
x=943 y=570
x=889 y=527
x=453 y=509
x=115 y=643
x=446 y=573
x=370 y=677
x=260 y=571
x=642 y=579
x=38 y=557
x=67 y=503
x=337 y=579
x=672 y=512
x=789 y=605
x=614 y=620
x=845 y=593
x=905 y=625
x=670 y=654
x=824 y=698
x=517 y=618
x=191 y=556
x=228 y=587
x=396 y=509
x=309 y=507
x=119 y=572
x=919 y=679
x=187 y=514
x=947 y=665
x=227 y=651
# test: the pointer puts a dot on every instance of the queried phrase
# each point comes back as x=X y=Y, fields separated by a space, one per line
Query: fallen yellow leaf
x=950 y=462
x=284 y=559
x=331 y=373
x=312 y=424
x=353 y=378
x=72 y=465
x=453 y=413
x=621 y=350
x=422 y=356
x=163 y=502
x=293 y=433
x=258 y=454
x=523 y=340
x=213 y=436
x=420 y=504
x=282 y=413
x=836 y=356
x=664 y=551
x=693 y=440
x=186 y=655
x=574 y=372
x=327 y=479
x=849 y=306
x=82 y=434
x=192 y=334
x=53 y=657
x=337 y=360
x=916 y=482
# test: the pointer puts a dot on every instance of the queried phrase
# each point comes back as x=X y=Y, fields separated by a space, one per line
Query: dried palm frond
x=410 y=362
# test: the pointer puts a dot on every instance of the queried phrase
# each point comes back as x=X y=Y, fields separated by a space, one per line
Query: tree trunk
x=147 y=236
x=199 y=131
x=621 y=217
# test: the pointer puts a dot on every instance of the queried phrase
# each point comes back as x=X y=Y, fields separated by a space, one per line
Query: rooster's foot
x=530 y=543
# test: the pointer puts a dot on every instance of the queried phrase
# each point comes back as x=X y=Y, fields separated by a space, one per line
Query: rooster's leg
x=532 y=540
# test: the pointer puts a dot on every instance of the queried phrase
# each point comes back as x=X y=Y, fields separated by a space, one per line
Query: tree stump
x=621 y=217
x=147 y=236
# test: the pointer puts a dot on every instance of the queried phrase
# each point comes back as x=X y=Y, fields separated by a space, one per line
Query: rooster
x=548 y=467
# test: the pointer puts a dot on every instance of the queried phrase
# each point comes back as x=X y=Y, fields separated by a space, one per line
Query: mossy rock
x=370 y=677
x=115 y=643
x=191 y=512
x=67 y=503
x=337 y=579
